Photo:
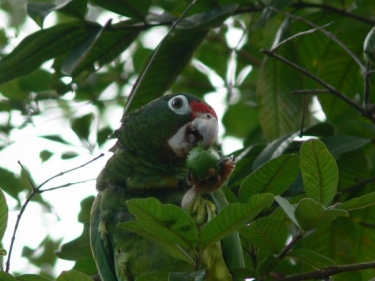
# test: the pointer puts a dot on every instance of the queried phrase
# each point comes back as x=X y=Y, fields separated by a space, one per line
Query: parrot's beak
x=203 y=129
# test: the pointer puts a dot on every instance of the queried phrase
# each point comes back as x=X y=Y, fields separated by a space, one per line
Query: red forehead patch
x=198 y=106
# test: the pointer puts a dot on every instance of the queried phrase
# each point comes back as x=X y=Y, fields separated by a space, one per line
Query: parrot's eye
x=179 y=104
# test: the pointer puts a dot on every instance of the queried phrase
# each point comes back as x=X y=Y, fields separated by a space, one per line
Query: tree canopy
x=295 y=78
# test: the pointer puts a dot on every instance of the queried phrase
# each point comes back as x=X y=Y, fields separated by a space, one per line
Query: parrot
x=149 y=161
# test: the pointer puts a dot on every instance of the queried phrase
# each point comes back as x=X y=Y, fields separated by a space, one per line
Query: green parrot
x=149 y=161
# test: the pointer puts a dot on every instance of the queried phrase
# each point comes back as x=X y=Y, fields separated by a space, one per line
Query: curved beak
x=207 y=127
x=203 y=129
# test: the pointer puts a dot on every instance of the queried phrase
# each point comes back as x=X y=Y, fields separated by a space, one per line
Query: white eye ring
x=179 y=104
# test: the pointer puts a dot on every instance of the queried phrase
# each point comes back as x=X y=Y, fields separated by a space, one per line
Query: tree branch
x=329 y=271
x=295 y=239
x=36 y=190
x=301 y=5
x=307 y=73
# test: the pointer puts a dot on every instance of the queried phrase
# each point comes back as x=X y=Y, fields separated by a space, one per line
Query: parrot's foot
x=214 y=181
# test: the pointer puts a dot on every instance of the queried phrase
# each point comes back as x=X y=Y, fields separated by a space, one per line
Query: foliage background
x=80 y=70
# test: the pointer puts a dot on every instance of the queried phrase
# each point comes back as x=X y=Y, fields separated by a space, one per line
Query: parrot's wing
x=101 y=249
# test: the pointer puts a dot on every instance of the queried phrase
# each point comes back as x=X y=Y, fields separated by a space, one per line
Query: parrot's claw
x=214 y=181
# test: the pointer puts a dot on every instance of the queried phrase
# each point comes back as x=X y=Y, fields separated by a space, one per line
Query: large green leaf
x=280 y=112
x=156 y=237
x=168 y=222
x=311 y=258
x=311 y=214
x=4 y=276
x=273 y=177
x=31 y=277
x=78 y=248
x=136 y=9
x=73 y=275
x=267 y=234
x=3 y=214
x=358 y=203
x=319 y=171
x=175 y=52
x=231 y=218
x=44 y=45
x=340 y=144
x=274 y=149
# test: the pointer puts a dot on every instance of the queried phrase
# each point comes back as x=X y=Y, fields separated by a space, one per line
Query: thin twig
x=287 y=248
x=301 y=4
x=328 y=34
x=358 y=185
x=304 y=110
x=310 y=31
x=329 y=87
x=36 y=190
x=309 y=91
x=329 y=271
x=64 y=185
x=143 y=75
x=68 y=171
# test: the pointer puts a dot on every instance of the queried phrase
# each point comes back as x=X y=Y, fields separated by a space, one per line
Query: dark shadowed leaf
x=136 y=9
x=81 y=126
x=42 y=46
x=73 y=275
x=340 y=144
x=311 y=258
x=267 y=234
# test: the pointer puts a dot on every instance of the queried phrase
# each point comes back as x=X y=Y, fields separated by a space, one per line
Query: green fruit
x=201 y=161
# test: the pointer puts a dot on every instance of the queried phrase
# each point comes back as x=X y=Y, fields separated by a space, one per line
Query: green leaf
x=3 y=214
x=288 y=208
x=81 y=126
x=279 y=111
x=42 y=46
x=11 y=184
x=81 y=51
x=231 y=218
x=32 y=277
x=340 y=144
x=168 y=222
x=77 y=248
x=45 y=155
x=358 y=203
x=311 y=214
x=68 y=155
x=155 y=236
x=319 y=171
x=4 y=276
x=55 y=138
x=136 y=9
x=267 y=234
x=273 y=177
x=174 y=54
x=267 y=265
x=73 y=275
x=273 y=150
x=311 y=258
x=196 y=276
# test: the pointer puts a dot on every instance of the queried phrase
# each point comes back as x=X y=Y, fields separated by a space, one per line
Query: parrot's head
x=170 y=125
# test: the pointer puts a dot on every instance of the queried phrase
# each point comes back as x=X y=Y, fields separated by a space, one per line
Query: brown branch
x=329 y=271
x=327 y=33
x=36 y=190
x=301 y=5
x=295 y=239
x=307 y=73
